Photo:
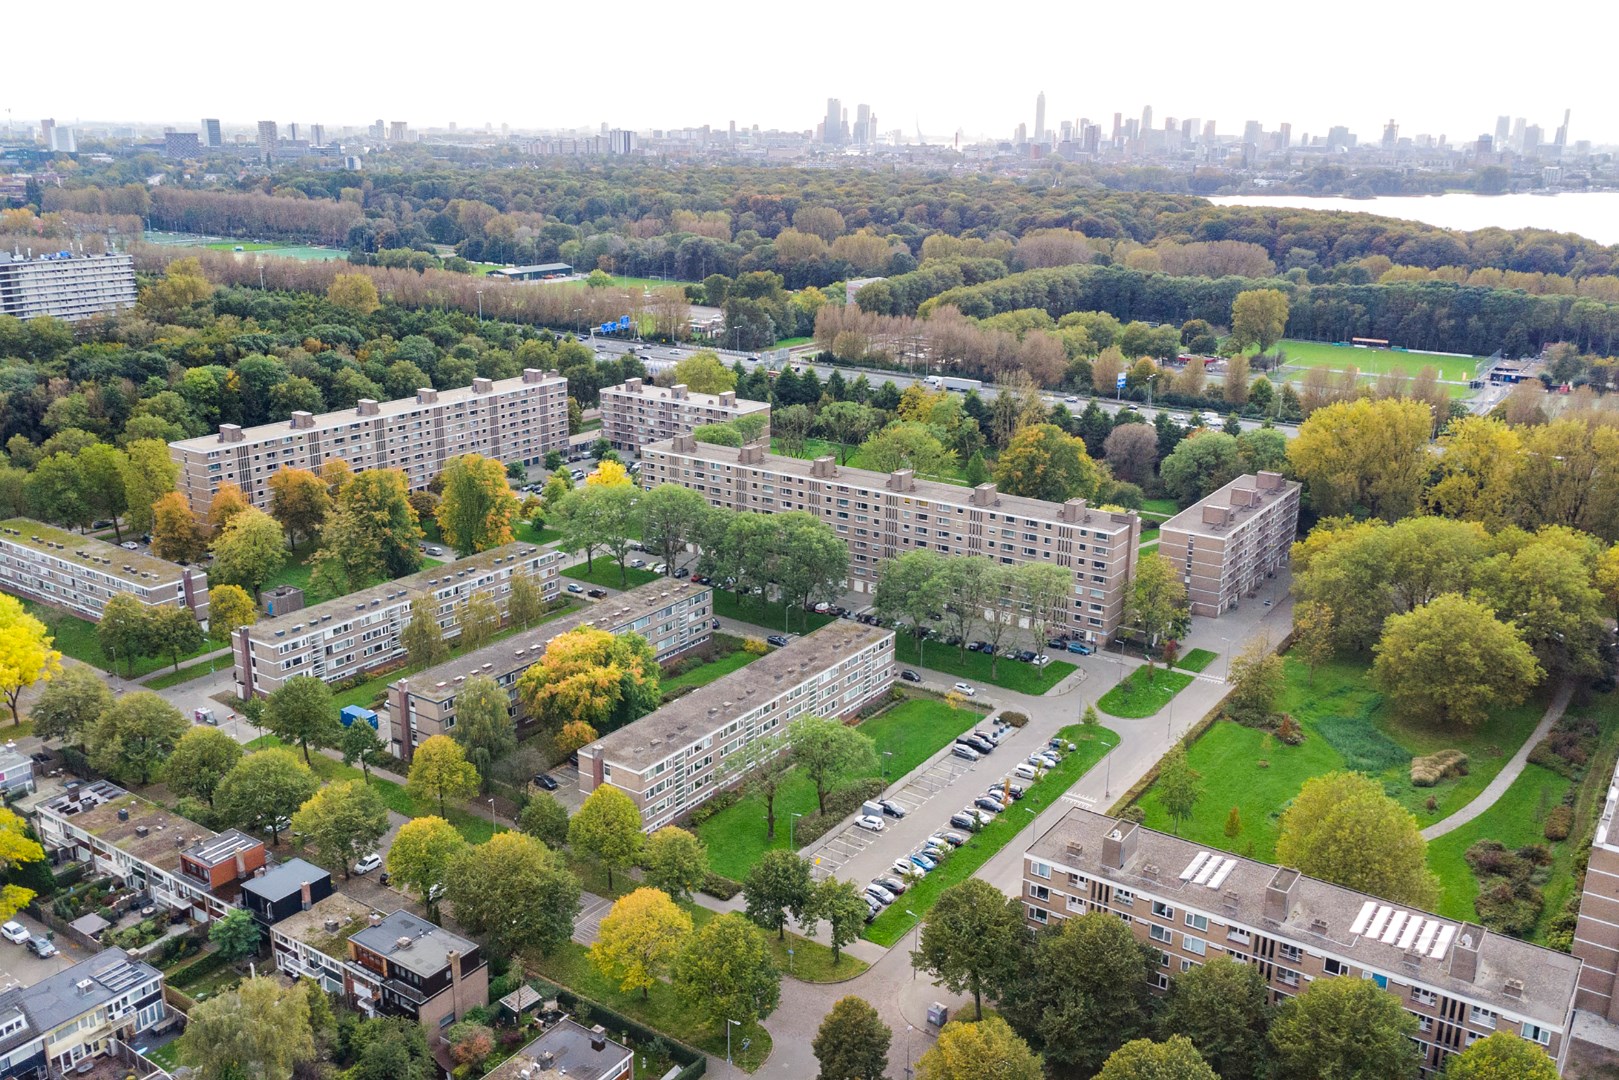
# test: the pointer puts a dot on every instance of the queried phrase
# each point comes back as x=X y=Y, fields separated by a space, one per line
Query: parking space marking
x=587 y=923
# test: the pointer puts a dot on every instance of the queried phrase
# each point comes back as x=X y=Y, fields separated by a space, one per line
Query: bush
x=1289 y=730
x=1134 y=813
x=718 y=886
x=1428 y=770
x=1508 y=901
x=1559 y=822
x=755 y=646
x=1016 y=719
x=1567 y=748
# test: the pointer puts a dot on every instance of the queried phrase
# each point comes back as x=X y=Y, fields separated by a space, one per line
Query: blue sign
x=623 y=322
x=1119 y=382
x=607 y=327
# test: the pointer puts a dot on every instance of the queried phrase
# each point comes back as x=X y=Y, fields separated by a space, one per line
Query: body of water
x=1592 y=214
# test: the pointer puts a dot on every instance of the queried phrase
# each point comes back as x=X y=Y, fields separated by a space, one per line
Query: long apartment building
x=511 y=420
x=80 y=573
x=1191 y=903
x=65 y=285
x=1596 y=935
x=1226 y=545
x=673 y=759
x=183 y=866
x=672 y=615
x=883 y=515
x=363 y=630
x=636 y=412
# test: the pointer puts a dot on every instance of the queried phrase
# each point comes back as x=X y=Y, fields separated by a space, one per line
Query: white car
x=14 y=932
x=660 y=568
x=869 y=822
x=966 y=688
x=369 y=863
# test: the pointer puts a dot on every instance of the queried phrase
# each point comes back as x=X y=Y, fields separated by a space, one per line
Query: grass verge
x=1196 y=660
x=811 y=961
x=186 y=674
x=974 y=667
x=606 y=574
x=893 y=924
x=76 y=637
x=769 y=615
x=1136 y=696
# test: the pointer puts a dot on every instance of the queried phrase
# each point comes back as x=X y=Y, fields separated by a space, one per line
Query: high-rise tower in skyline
x=211 y=135
x=1040 y=117
x=832 y=126
x=269 y=135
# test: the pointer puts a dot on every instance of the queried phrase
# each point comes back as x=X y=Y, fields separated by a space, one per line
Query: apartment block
x=402 y=965
x=61 y=1024
x=1596 y=935
x=80 y=573
x=883 y=515
x=183 y=866
x=65 y=285
x=1226 y=545
x=511 y=420
x=636 y=412
x=672 y=615
x=1190 y=903
x=362 y=630
x=672 y=760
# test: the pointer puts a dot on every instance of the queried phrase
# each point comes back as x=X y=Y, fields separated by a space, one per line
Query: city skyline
x=1374 y=84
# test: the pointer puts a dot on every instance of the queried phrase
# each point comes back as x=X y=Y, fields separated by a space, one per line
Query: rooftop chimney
x=633 y=386
x=1270 y=481
x=229 y=433
x=984 y=495
x=1218 y=516
x=1119 y=844
x=824 y=467
x=752 y=454
x=533 y=375
x=1280 y=894
x=1464 y=953
x=426 y=395
x=683 y=444
x=367 y=407
x=728 y=399
x=1074 y=510
x=482 y=386
x=902 y=480
x=303 y=419
x=678 y=392
x=306 y=896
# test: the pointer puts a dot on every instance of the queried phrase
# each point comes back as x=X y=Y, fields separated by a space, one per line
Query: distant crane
x=921 y=139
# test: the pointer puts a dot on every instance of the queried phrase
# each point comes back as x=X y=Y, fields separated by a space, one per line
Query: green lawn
x=1346 y=726
x=76 y=637
x=1137 y=696
x=1517 y=819
x=296 y=572
x=893 y=924
x=704 y=674
x=186 y=674
x=1163 y=508
x=814 y=448
x=1196 y=660
x=811 y=961
x=167 y=1055
x=606 y=574
x=1374 y=362
x=792 y=342
x=973 y=667
x=906 y=736
x=528 y=534
x=768 y=615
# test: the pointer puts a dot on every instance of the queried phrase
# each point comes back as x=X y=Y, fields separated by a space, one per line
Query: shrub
x=1016 y=719
x=1559 y=823
x=1289 y=730
x=719 y=887
x=1428 y=770
x=755 y=646
x=1134 y=813
x=1567 y=748
x=1508 y=901
x=839 y=804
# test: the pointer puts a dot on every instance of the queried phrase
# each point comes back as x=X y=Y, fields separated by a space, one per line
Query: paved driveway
x=19 y=967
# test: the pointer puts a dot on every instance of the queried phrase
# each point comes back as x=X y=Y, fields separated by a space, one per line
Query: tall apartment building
x=672 y=760
x=362 y=630
x=59 y=1025
x=1596 y=935
x=672 y=615
x=212 y=137
x=511 y=420
x=1190 y=903
x=1227 y=545
x=65 y=285
x=269 y=136
x=184 y=867
x=398 y=131
x=80 y=573
x=883 y=515
x=636 y=413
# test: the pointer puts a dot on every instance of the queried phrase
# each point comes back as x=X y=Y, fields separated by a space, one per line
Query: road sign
x=1119 y=382
x=623 y=322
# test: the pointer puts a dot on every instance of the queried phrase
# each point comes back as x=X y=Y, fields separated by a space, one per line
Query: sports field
x=1374 y=362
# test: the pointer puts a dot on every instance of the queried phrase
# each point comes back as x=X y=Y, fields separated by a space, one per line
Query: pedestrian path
x=1514 y=768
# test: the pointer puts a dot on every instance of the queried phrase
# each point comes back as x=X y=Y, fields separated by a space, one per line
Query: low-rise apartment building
x=1226 y=545
x=57 y=1026
x=1596 y=935
x=510 y=420
x=182 y=865
x=636 y=412
x=568 y=1049
x=883 y=515
x=672 y=615
x=1190 y=903
x=65 y=285
x=363 y=630
x=80 y=573
x=403 y=965
x=673 y=759
x=313 y=942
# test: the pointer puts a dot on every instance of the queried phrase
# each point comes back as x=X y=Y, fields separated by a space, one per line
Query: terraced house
x=674 y=759
x=362 y=630
x=882 y=515
x=510 y=420
x=80 y=573
x=1191 y=903
x=61 y=1024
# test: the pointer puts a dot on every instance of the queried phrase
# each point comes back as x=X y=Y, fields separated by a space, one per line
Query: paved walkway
x=1514 y=768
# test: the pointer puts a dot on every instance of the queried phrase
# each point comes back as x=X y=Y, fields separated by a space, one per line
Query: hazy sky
x=943 y=65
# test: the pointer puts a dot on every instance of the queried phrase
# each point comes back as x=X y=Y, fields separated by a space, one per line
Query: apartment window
x=1287 y=977
x=1195 y=946
x=1159 y=933
x=1164 y=959
x=1041 y=870
x=1163 y=910
x=1039 y=892
x=1188 y=965
x=1291 y=953
x=1159 y=980
x=1125 y=897
x=1197 y=922
x=1334 y=967
x=1038 y=914
x=1481 y=1017
x=1537 y=1034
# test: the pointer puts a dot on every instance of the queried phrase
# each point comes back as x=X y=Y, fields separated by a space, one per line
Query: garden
x=77 y=638
x=723 y=654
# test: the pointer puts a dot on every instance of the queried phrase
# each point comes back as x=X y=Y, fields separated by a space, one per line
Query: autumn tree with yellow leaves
x=589 y=675
x=26 y=656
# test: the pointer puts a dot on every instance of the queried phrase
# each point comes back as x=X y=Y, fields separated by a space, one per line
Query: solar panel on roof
x=1204 y=874
x=1379 y=920
x=1430 y=927
x=1365 y=915
x=1412 y=928
x=1392 y=932
x=1221 y=874
x=1439 y=947
x=1195 y=865
x=120 y=977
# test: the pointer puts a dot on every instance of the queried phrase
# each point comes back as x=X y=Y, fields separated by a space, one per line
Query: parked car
x=1004 y=788
x=909 y=676
x=703 y=579
x=962 y=750
x=1080 y=647
x=823 y=608
x=714 y=624
x=873 y=908
x=636 y=564
x=778 y=640
x=893 y=884
x=546 y=781
x=906 y=869
x=983 y=746
x=963 y=820
x=1045 y=761
x=880 y=894
x=1026 y=771
x=41 y=947
x=596 y=594
x=435 y=551
x=953 y=839
x=575 y=588
x=1057 y=643
x=682 y=573
x=368 y=863
x=891 y=808
x=130 y=545
x=966 y=688
x=925 y=861
x=661 y=568
x=869 y=822
x=1025 y=655
x=988 y=736
x=14 y=932
x=935 y=849
x=1040 y=660
x=990 y=803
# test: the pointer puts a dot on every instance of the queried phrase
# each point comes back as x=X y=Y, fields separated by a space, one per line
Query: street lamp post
x=792 y=829
x=480 y=305
x=1150 y=378
x=916 y=941
x=729 y=1024
x=1033 y=817
x=887 y=755
x=492 y=825
x=1108 y=761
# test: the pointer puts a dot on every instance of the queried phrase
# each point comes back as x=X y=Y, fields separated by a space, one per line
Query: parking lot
x=19 y=967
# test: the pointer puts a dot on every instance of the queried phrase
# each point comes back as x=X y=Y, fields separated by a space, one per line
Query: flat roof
x=310 y=927
x=666 y=393
x=536 y=268
x=661 y=732
x=38 y=536
x=223 y=848
x=936 y=491
x=565 y=1049
x=1324 y=917
x=522 y=649
x=58 y=998
x=412 y=942
x=94 y=807
x=407 y=587
x=396 y=407
x=1191 y=520
x=284 y=880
